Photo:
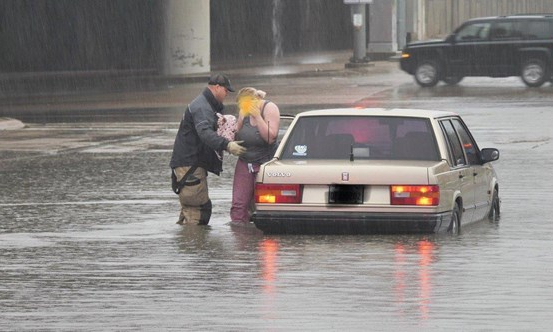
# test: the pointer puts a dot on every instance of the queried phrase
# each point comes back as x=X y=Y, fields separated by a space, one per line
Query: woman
x=257 y=123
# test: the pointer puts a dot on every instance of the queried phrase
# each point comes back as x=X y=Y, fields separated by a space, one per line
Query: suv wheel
x=427 y=73
x=534 y=72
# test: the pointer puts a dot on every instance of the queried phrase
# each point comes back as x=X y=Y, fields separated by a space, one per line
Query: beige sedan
x=355 y=171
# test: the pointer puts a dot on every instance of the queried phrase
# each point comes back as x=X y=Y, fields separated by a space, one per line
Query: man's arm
x=204 y=124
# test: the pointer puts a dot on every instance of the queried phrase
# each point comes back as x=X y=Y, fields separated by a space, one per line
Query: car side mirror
x=450 y=39
x=489 y=155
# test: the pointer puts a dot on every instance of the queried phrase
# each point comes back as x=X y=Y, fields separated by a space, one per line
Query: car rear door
x=470 y=49
x=480 y=176
x=462 y=172
x=505 y=41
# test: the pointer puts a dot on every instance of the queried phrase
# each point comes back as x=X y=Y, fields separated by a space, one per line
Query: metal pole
x=359 y=33
x=359 y=20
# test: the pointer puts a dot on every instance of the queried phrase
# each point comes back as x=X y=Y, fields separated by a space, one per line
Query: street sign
x=357 y=2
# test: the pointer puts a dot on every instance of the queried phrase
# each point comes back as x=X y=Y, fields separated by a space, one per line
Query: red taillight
x=277 y=193
x=415 y=195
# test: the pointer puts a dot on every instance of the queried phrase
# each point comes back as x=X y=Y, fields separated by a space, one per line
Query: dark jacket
x=197 y=139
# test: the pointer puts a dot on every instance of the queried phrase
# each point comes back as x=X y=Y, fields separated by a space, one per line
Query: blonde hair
x=249 y=100
x=251 y=92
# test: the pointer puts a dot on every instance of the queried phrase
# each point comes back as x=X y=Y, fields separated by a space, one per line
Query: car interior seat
x=335 y=146
x=415 y=146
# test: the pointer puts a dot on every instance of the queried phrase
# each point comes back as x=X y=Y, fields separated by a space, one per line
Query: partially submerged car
x=351 y=171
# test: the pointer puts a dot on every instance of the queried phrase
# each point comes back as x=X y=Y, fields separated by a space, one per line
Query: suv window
x=539 y=29
x=473 y=32
x=511 y=30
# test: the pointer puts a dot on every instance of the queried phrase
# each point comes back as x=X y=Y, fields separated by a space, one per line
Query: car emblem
x=345 y=176
x=279 y=174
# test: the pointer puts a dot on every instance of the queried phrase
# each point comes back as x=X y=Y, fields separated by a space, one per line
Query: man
x=194 y=151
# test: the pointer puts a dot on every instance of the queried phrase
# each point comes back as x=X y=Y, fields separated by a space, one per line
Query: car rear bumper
x=294 y=222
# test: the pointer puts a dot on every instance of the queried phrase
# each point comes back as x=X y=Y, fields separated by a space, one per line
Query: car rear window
x=507 y=30
x=540 y=29
x=366 y=137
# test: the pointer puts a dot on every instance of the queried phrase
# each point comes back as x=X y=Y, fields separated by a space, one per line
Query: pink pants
x=243 y=191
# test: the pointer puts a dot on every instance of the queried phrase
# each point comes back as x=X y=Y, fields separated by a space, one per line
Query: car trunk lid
x=365 y=172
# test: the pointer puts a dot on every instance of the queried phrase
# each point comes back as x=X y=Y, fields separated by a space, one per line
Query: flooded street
x=88 y=239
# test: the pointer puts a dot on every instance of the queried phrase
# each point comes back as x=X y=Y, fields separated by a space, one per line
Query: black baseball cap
x=220 y=79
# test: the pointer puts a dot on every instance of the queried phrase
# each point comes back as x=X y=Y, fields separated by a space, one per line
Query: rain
x=88 y=239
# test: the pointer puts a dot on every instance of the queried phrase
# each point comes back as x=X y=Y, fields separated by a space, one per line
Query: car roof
x=515 y=16
x=399 y=112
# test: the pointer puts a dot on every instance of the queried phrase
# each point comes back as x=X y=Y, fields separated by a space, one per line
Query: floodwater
x=88 y=241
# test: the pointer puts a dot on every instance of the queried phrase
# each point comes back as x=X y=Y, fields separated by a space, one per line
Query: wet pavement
x=293 y=82
x=88 y=239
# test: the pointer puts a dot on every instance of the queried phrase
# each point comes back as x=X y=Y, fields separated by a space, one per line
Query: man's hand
x=235 y=148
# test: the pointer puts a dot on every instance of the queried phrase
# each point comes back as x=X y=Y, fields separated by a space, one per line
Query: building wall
x=69 y=35
x=443 y=16
x=83 y=35
x=186 y=36
x=382 y=27
x=259 y=28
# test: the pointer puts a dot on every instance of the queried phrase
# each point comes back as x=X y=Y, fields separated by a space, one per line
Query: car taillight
x=277 y=193
x=415 y=195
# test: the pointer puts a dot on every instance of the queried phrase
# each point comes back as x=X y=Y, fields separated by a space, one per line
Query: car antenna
x=351 y=157
x=269 y=136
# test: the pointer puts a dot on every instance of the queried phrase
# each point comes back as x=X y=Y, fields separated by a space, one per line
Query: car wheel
x=427 y=73
x=534 y=73
x=493 y=215
x=452 y=80
x=455 y=223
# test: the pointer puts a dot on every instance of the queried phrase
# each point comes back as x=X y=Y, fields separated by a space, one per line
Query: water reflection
x=411 y=260
x=269 y=251
x=269 y=258
x=403 y=278
x=425 y=251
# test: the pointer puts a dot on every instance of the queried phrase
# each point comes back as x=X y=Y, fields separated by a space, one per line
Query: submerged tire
x=493 y=214
x=455 y=223
x=427 y=73
x=534 y=73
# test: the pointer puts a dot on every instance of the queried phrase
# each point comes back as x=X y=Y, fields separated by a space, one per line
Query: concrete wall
x=186 y=37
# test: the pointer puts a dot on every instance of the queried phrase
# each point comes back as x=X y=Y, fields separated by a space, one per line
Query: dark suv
x=518 y=45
